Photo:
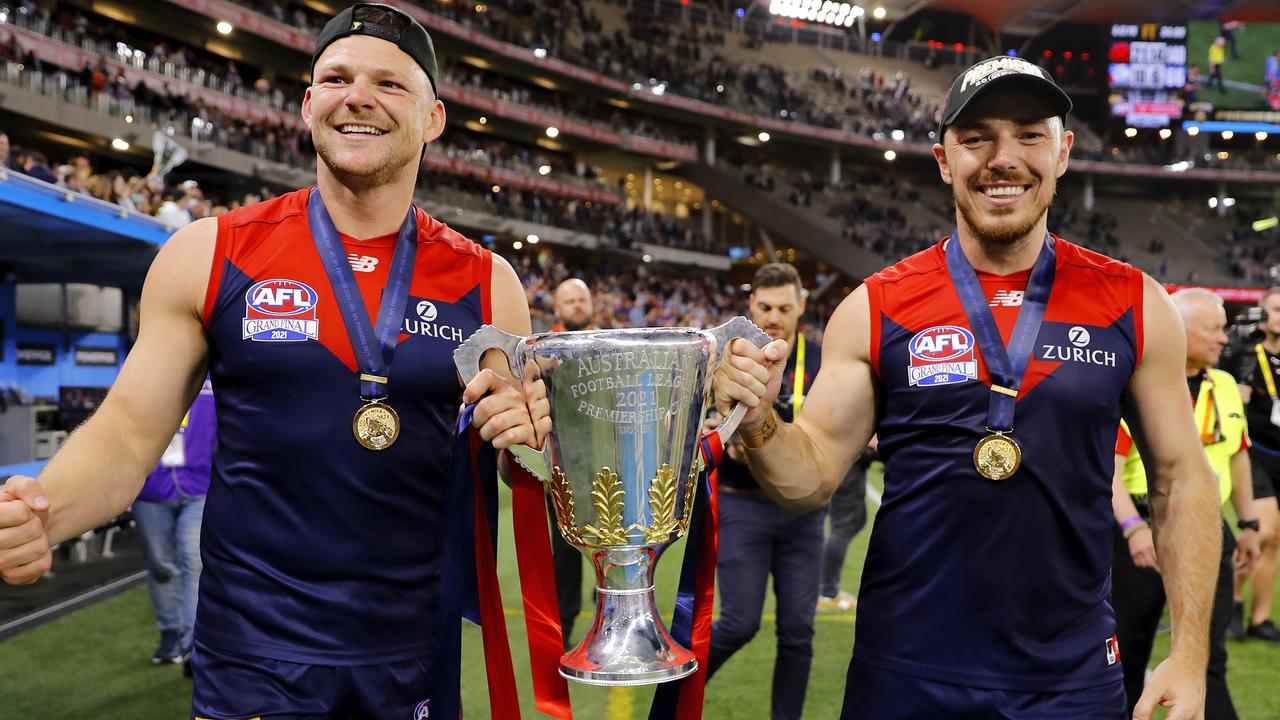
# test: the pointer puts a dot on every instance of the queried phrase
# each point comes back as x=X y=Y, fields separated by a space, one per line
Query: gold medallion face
x=997 y=457
x=376 y=426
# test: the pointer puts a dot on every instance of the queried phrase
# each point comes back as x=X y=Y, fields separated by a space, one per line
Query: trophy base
x=628 y=644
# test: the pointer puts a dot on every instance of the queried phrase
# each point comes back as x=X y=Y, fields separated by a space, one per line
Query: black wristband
x=1253 y=525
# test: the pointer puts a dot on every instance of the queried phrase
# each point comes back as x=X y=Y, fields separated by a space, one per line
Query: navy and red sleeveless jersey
x=315 y=549
x=997 y=584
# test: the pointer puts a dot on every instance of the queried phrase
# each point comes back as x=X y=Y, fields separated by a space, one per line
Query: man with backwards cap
x=327 y=319
x=995 y=367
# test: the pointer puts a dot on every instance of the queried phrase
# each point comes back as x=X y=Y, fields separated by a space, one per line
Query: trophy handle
x=736 y=327
x=467 y=360
x=489 y=337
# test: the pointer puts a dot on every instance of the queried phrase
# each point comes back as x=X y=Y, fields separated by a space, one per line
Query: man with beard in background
x=573 y=309
x=757 y=537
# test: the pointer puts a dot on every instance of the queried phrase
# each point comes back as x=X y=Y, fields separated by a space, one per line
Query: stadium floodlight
x=225 y=27
x=483 y=120
x=878 y=13
x=898 y=135
x=128 y=118
x=763 y=136
x=1194 y=130
x=1228 y=202
x=119 y=144
x=1131 y=132
x=826 y=12
x=1227 y=134
x=517 y=245
x=1261 y=135
x=890 y=155
x=647 y=257
x=497 y=188
x=1165 y=133
x=1213 y=203
x=539 y=53
x=553 y=131
x=544 y=170
x=531 y=238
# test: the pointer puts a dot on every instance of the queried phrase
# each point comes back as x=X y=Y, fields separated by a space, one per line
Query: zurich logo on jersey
x=942 y=355
x=280 y=310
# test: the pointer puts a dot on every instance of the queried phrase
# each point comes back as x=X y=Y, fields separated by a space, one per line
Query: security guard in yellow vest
x=1137 y=593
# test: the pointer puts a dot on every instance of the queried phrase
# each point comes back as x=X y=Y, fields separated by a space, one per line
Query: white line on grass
x=78 y=600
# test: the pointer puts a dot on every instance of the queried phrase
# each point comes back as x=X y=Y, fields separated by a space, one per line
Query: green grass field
x=96 y=664
x=1253 y=44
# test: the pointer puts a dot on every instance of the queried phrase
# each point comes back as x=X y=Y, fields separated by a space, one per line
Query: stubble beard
x=380 y=174
x=1000 y=235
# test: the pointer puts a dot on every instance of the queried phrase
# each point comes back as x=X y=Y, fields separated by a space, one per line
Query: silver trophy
x=621 y=465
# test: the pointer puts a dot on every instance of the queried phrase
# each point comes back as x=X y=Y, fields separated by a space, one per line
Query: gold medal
x=376 y=426
x=997 y=456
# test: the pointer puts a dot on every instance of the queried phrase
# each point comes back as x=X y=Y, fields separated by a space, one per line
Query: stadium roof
x=54 y=235
x=1032 y=17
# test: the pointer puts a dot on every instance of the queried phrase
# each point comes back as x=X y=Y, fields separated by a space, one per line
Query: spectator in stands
x=757 y=537
x=309 y=602
x=983 y=593
x=168 y=512
x=4 y=150
x=1137 y=593
x=35 y=164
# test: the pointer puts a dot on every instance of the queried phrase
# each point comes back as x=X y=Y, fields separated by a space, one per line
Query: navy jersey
x=997 y=584
x=315 y=549
x=736 y=474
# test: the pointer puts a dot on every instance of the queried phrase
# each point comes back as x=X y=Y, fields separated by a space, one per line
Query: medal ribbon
x=374 y=361
x=1005 y=365
x=469 y=578
x=1265 y=367
x=538 y=591
x=691 y=623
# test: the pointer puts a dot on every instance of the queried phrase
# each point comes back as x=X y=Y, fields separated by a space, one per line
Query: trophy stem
x=628 y=644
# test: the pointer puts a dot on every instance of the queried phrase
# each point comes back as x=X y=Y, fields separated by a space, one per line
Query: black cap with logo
x=407 y=34
x=1005 y=72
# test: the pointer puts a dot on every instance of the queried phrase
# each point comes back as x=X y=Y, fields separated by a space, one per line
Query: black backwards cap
x=410 y=37
x=1005 y=72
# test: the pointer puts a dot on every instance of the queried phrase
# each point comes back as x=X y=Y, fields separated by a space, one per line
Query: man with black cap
x=995 y=367
x=327 y=319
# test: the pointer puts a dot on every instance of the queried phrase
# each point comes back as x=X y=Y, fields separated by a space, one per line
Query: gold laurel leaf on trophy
x=690 y=492
x=607 y=498
x=562 y=499
x=662 y=505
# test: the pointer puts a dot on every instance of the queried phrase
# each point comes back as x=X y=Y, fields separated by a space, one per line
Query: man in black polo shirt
x=757 y=537
x=1257 y=372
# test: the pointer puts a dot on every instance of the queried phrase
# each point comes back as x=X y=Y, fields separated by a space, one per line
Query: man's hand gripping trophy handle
x=752 y=376
x=511 y=412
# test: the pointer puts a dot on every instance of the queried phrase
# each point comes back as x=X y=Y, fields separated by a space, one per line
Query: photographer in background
x=1257 y=367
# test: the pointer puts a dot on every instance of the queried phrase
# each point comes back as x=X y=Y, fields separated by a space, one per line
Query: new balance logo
x=362 y=263
x=1007 y=298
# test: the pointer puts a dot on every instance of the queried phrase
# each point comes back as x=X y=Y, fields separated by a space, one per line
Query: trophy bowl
x=621 y=466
